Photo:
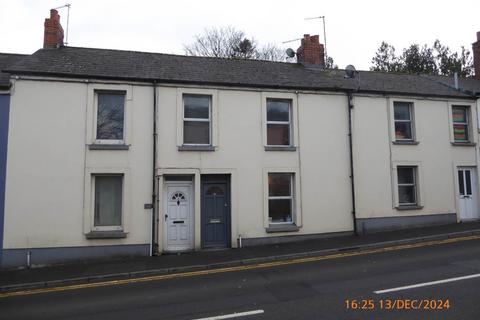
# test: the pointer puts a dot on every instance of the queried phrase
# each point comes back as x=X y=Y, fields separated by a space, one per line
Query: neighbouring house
x=6 y=59
x=116 y=152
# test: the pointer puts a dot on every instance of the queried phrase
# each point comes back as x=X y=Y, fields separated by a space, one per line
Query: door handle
x=166 y=216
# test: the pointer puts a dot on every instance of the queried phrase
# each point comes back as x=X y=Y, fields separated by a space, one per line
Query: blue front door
x=215 y=214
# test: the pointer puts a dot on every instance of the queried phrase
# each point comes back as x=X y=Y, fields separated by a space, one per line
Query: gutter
x=350 y=145
x=19 y=73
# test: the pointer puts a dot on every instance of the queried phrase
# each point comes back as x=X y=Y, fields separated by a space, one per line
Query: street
x=429 y=282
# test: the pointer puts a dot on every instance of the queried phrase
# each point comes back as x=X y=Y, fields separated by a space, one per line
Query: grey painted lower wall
x=370 y=225
x=42 y=256
x=246 y=242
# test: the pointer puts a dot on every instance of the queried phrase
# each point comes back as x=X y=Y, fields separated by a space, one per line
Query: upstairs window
x=279 y=122
x=460 y=123
x=110 y=116
x=407 y=186
x=403 y=121
x=280 y=198
x=197 y=119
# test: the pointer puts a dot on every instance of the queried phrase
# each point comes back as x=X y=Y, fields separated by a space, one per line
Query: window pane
x=461 y=183
x=403 y=130
x=279 y=184
x=401 y=110
x=459 y=114
x=278 y=134
x=280 y=210
x=108 y=201
x=110 y=115
x=406 y=195
x=460 y=132
x=278 y=110
x=405 y=175
x=196 y=106
x=195 y=132
x=468 y=183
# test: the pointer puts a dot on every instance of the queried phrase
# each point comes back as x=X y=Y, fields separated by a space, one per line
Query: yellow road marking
x=237 y=268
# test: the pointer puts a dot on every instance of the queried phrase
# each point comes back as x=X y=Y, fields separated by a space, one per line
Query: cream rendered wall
x=49 y=164
x=375 y=156
x=324 y=189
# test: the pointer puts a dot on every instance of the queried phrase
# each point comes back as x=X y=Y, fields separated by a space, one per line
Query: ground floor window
x=108 y=200
x=407 y=186
x=280 y=198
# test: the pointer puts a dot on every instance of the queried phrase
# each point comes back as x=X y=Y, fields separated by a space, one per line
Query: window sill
x=108 y=146
x=280 y=148
x=464 y=144
x=196 y=148
x=115 y=234
x=282 y=228
x=405 y=142
x=401 y=208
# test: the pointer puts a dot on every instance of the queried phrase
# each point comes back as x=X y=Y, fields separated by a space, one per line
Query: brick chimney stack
x=311 y=51
x=476 y=56
x=53 y=32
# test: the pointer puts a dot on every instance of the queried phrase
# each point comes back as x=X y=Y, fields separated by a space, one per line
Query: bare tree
x=233 y=44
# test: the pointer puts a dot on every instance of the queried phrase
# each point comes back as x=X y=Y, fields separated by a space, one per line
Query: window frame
x=414 y=185
x=289 y=122
x=291 y=198
x=89 y=199
x=467 y=123
x=209 y=120
x=411 y=121
x=113 y=227
x=96 y=93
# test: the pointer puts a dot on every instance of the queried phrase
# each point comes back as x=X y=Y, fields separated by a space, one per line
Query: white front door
x=467 y=188
x=178 y=217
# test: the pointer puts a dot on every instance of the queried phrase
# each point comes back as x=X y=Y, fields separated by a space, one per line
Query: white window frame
x=113 y=227
x=411 y=120
x=92 y=112
x=291 y=197
x=420 y=188
x=296 y=193
x=89 y=199
x=209 y=120
x=213 y=114
x=472 y=125
x=466 y=123
x=289 y=122
x=414 y=185
x=293 y=117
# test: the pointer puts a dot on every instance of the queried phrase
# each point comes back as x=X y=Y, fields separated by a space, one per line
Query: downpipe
x=350 y=144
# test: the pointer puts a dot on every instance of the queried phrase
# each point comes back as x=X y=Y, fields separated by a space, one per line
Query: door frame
x=475 y=175
x=206 y=179
x=166 y=185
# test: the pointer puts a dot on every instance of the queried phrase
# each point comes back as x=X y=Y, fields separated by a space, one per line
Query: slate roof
x=7 y=59
x=143 y=66
x=468 y=85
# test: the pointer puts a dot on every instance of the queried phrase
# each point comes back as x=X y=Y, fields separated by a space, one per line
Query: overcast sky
x=355 y=29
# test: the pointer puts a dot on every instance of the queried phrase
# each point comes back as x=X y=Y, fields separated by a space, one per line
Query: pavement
x=127 y=268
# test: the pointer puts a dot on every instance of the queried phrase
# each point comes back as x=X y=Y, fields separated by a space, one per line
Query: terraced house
x=131 y=153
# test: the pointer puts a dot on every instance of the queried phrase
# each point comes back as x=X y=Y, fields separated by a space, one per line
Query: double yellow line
x=233 y=269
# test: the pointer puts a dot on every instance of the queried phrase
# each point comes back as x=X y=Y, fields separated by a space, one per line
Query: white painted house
x=131 y=153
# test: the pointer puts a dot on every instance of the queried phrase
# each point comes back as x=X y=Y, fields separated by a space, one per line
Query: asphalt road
x=313 y=290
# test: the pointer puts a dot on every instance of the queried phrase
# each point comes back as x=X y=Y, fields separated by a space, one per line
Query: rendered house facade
x=119 y=152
